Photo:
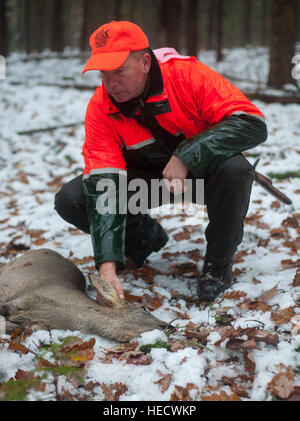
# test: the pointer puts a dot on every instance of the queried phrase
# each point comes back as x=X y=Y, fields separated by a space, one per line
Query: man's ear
x=147 y=62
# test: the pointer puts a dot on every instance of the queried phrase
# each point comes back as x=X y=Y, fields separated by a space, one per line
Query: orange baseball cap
x=112 y=43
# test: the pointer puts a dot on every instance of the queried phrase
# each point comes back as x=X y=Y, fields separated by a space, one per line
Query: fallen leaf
x=278 y=233
x=79 y=352
x=290 y=264
x=152 y=303
x=282 y=384
x=25 y=375
x=269 y=294
x=249 y=363
x=295 y=394
x=241 y=344
x=15 y=346
x=176 y=345
x=200 y=335
x=280 y=317
x=164 y=381
x=296 y=280
x=183 y=235
x=275 y=204
x=39 y=242
x=234 y=295
x=290 y=221
x=296 y=324
x=113 y=391
x=91 y=385
x=222 y=396
x=132 y=298
x=182 y=393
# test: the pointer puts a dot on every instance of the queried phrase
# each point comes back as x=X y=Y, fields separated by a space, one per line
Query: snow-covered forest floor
x=243 y=346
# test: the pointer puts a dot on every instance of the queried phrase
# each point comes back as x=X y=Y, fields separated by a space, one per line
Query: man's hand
x=174 y=173
x=107 y=271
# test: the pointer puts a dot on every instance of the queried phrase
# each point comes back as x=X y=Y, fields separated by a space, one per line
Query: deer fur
x=42 y=289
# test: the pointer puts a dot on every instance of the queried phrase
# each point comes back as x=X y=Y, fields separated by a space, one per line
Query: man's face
x=129 y=80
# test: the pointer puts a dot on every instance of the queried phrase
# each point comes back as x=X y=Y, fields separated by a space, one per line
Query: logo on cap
x=101 y=38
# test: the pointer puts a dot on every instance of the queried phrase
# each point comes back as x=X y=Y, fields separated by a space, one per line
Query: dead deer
x=42 y=289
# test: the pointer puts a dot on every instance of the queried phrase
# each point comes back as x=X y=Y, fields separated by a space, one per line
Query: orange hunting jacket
x=214 y=118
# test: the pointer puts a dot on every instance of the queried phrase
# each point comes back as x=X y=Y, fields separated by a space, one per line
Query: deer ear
x=108 y=294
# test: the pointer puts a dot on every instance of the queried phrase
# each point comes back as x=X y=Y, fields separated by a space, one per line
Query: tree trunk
x=211 y=25
x=37 y=25
x=118 y=10
x=282 y=42
x=3 y=28
x=247 y=21
x=28 y=45
x=191 y=28
x=265 y=22
x=95 y=14
x=170 y=12
x=219 y=23
x=86 y=27
x=57 y=29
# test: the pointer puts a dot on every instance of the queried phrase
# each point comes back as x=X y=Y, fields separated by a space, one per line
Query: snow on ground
x=34 y=166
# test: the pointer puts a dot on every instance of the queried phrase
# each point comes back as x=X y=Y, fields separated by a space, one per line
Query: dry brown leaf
x=260 y=335
x=15 y=346
x=82 y=261
x=25 y=375
x=147 y=273
x=181 y=269
x=182 y=393
x=200 y=335
x=39 y=242
x=113 y=391
x=142 y=359
x=176 y=345
x=79 y=352
x=44 y=363
x=222 y=396
x=269 y=294
x=249 y=363
x=241 y=344
x=255 y=305
x=91 y=385
x=35 y=233
x=278 y=233
x=295 y=394
x=183 y=235
x=67 y=396
x=133 y=298
x=152 y=303
x=296 y=280
x=290 y=264
x=275 y=204
x=164 y=381
x=291 y=221
x=282 y=384
x=296 y=324
x=234 y=295
x=280 y=317
x=79 y=345
x=293 y=245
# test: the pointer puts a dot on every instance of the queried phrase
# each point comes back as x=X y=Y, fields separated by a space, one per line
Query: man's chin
x=120 y=97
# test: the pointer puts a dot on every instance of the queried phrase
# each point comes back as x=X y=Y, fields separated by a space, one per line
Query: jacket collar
x=154 y=86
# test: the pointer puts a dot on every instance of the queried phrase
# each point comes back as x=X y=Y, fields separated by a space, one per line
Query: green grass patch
x=284 y=175
x=159 y=344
